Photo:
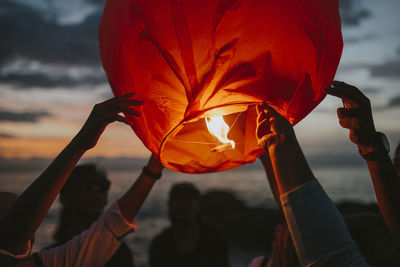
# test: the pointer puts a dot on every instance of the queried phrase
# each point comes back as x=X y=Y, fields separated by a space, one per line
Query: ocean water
x=248 y=183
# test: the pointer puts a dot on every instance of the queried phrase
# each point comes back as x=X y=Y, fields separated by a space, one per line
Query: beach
x=246 y=185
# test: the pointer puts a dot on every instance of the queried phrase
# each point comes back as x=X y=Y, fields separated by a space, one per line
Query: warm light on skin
x=217 y=127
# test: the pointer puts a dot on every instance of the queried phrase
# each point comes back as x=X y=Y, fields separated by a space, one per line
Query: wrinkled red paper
x=193 y=58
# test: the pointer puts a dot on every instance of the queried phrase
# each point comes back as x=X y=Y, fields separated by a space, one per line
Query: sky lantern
x=202 y=66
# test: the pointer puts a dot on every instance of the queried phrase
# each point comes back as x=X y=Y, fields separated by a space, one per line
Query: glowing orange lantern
x=198 y=63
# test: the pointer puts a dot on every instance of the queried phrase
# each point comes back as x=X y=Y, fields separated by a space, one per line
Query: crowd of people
x=310 y=230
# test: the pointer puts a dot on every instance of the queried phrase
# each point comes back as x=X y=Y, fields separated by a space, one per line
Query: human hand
x=103 y=114
x=272 y=128
x=356 y=115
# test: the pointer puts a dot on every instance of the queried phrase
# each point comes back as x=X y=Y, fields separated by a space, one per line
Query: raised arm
x=95 y=246
x=356 y=115
x=269 y=171
x=133 y=199
x=317 y=229
x=19 y=224
x=276 y=135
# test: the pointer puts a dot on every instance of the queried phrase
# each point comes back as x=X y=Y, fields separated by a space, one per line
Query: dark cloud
x=352 y=13
x=26 y=33
x=394 y=102
x=46 y=81
x=389 y=69
x=8 y=136
x=97 y=2
x=371 y=90
x=22 y=116
x=358 y=39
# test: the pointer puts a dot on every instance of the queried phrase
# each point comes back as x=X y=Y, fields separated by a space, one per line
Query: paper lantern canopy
x=199 y=63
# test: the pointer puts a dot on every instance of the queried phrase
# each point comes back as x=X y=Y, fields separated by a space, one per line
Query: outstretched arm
x=19 y=224
x=96 y=245
x=133 y=199
x=356 y=115
x=316 y=227
x=269 y=171
x=276 y=135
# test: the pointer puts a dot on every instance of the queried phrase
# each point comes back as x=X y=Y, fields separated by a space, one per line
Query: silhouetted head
x=183 y=203
x=396 y=159
x=83 y=199
x=86 y=191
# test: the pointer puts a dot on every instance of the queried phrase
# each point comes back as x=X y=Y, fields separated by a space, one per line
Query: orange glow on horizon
x=50 y=147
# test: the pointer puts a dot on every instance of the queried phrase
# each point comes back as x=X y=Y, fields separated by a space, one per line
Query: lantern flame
x=218 y=127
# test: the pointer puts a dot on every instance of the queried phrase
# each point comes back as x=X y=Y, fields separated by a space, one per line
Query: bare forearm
x=386 y=184
x=290 y=166
x=133 y=199
x=269 y=171
x=22 y=220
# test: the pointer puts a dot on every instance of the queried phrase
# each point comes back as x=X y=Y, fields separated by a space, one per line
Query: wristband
x=152 y=175
x=381 y=147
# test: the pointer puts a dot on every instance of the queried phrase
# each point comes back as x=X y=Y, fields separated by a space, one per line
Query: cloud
x=22 y=116
x=394 y=102
x=352 y=13
x=26 y=33
x=389 y=69
x=47 y=81
x=97 y=2
x=8 y=136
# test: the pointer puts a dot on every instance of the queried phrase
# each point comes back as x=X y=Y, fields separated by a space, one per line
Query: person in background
x=319 y=233
x=83 y=199
x=187 y=242
x=283 y=251
x=94 y=247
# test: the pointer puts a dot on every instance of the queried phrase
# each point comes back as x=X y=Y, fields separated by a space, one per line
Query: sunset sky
x=51 y=76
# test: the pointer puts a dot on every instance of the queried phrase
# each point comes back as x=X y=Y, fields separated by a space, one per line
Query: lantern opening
x=199 y=146
x=218 y=128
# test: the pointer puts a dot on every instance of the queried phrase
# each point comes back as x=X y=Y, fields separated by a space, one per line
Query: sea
x=247 y=183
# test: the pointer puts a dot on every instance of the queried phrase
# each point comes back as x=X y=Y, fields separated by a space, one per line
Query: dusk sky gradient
x=51 y=76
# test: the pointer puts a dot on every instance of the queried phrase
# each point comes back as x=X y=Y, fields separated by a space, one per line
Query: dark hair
x=184 y=187
x=80 y=176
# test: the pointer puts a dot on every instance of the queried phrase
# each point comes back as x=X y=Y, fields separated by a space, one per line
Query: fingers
x=118 y=104
x=348 y=112
x=347 y=93
x=118 y=100
x=272 y=111
x=116 y=117
x=349 y=123
x=262 y=116
x=263 y=128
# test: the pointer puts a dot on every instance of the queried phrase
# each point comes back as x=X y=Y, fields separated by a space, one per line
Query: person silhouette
x=83 y=199
x=22 y=215
x=187 y=242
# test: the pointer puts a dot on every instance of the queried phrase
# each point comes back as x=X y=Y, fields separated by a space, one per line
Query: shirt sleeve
x=319 y=233
x=93 y=247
